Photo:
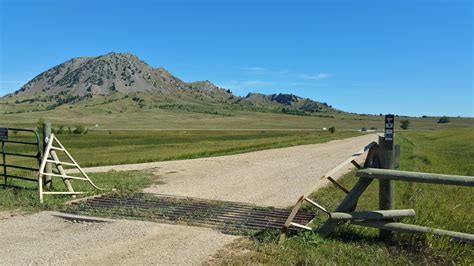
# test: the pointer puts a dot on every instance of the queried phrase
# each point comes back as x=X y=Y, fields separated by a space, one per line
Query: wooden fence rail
x=372 y=215
x=386 y=174
x=416 y=229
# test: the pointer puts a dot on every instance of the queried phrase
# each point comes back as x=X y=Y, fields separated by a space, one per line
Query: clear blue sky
x=402 y=57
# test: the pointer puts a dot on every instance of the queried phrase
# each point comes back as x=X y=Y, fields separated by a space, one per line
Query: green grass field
x=116 y=113
x=124 y=147
x=447 y=207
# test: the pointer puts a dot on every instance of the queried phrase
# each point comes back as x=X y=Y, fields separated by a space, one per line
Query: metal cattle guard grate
x=229 y=217
x=8 y=169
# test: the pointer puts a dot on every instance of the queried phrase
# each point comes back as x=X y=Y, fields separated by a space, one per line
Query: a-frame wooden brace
x=289 y=221
x=50 y=156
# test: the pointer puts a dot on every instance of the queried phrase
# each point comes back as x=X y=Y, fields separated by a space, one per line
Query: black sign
x=3 y=133
x=389 y=127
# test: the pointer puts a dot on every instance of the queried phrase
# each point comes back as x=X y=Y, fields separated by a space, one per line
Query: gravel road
x=276 y=177
x=44 y=239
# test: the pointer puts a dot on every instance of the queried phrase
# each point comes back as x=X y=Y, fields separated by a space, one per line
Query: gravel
x=46 y=238
x=276 y=177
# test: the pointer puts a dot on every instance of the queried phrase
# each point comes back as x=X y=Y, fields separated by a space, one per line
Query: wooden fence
x=379 y=164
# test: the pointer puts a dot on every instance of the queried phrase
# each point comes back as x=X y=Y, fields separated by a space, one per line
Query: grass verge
x=26 y=200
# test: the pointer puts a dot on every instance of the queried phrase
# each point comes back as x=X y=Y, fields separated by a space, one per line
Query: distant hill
x=120 y=75
x=287 y=102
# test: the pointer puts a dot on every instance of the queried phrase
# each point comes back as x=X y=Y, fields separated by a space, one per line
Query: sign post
x=3 y=133
x=387 y=158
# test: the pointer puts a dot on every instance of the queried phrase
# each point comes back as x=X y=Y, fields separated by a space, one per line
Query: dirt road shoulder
x=45 y=238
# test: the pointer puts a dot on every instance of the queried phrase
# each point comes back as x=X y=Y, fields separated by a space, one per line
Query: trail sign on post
x=387 y=160
x=3 y=133
x=389 y=129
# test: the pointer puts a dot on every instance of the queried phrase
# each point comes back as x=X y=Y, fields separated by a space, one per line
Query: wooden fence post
x=387 y=158
x=397 y=156
x=48 y=169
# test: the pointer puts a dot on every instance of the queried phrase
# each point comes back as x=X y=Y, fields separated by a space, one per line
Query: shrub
x=444 y=119
x=61 y=129
x=332 y=130
x=80 y=130
x=405 y=124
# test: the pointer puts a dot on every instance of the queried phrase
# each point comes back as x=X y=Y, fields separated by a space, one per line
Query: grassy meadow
x=118 y=112
x=448 y=151
x=98 y=148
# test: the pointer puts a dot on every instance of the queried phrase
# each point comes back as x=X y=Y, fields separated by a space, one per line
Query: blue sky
x=402 y=57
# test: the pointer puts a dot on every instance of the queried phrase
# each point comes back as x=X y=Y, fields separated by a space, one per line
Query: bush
x=80 y=130
x=332 y=129
x=405 y=124
x=60 y=130
x=444 y=119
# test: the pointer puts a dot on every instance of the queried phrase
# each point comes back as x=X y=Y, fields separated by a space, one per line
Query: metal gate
x=10 y=170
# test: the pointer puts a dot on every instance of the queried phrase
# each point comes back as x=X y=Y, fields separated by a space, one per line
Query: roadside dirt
x=8 y=214
x=45 y=238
